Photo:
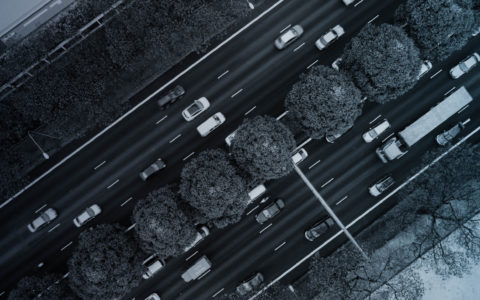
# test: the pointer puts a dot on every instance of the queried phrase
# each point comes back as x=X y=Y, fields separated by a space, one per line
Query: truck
x=198 y=269
x=397 y=146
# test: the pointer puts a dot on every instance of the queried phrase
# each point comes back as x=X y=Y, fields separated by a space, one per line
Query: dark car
x=152 y=169
x=172 y=96
x=250 y=284
x=270 y=211
x=448 y=135
x=319 y=229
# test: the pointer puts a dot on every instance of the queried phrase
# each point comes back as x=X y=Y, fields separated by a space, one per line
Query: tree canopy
x=439 y=27
x=383 y=62
x=105 y=264
x=44 y=286
x=324 y=101
x=213 y=185
x=263 y=147
x=161 y=226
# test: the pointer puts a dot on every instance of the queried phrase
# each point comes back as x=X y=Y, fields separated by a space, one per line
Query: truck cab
x=391 y=149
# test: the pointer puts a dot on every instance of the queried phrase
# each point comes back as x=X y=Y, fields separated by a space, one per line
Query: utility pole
x=329 y=210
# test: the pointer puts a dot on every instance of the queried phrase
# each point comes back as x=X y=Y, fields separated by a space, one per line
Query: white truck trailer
x=397 y=146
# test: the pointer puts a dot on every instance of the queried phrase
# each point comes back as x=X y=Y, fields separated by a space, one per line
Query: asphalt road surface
x=258 y=78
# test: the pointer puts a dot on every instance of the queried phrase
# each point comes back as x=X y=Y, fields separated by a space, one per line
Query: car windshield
x=329 y=36
x=194 y=108
x=287 y=36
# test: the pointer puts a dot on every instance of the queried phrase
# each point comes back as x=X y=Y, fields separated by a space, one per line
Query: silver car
x=270 y=211
x=45 y=217
x=250 y=284
x=465 y=66
x=88 y=214
x=288 y=37
x=381 y=186
x=328 y=38
x=152 y=169
x=195 y=109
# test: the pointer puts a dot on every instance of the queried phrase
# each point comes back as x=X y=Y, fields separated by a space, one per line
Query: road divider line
x=279 y=246
x=163 y=118
x=358 y=3
x=42 y=207
x=448 y=92
x=188 y=156
x=366 y=212
x=386 y=138
x=252 y=210
x=303 y=44
x=282 y=115
x=223 y=74
x=373 y=19
x=126 y=201
x=143 y=102
x=463 y=108
x=376 y=118
x=54 y=227
x=250 y=110
x=326 y=183
x=66 y=246
x=302 y=144
x=130 y=227
x=341 y=200
x=99 y=165
x=175 y=138
x=438 y=72
x=265 y=228
x=204 y=274
x=314 y=164
x=192 y=255
x=218 y=292
x=288 y=26
x=114 y=183
x=311 y=65
x=236 y=93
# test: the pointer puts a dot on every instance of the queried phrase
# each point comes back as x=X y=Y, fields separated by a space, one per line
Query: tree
x=213 y=185
x=161 y=226
x=383 y=62
x=324 y=101
x=263 y=147
x=439 y=27
x=45 y=286
x=105 y=264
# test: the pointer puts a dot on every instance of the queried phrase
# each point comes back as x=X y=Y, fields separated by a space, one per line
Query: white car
x=230 y=137
x=299 y=156
x=195 y=109
x=257 y=192
x=376 y=131
x=45 y=217
x=328 y=38
x=426 y=66
x=288 y=37
x=152 y=265
x=153 y=296
x=210 y=124
x=88 y=214
x=465 y=65
x=203 y=233
x=348 y=2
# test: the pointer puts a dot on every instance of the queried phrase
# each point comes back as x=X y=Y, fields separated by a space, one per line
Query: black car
x=172 y=96
x=318 y=229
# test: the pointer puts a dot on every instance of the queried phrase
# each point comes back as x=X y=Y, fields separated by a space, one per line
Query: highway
x=246 y=77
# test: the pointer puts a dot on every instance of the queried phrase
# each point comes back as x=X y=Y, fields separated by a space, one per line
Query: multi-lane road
x=245 y=77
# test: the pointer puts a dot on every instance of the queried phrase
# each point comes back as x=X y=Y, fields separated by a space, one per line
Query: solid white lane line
x=236 y=93
x=279 y=246
x=114 y=183
x=303 y=44
x=438 y=72
x=314 y=164
x=448 y=92
x=341 y=200
x=268 y=226
x=54 y=227
x=356 y=4
x=193 y=254
x=204 y=274
x=163 y=118
x=99 y=165
x=250 y=211
x=463 y=108
x=326 y=183
x=42 y=207
x=66 y=246
x=175 y=138
x=373 y=19
x=365 y=213
x=282 y=115
x=311 y=65
x=66 y=275
x=2 y=293
x=188 y=156
x=289 y=25
x=302 y=144
x=130 y=227
x=250 y=110
x=387 y=137
x=126 y=201
x=223 y=74
x=218 y=292
x=144 y=101
x=374 y=119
